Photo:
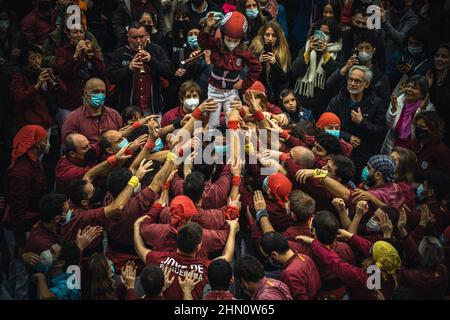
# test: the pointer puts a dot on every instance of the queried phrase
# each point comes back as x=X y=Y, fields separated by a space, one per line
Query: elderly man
x=362 y=115
x=93 y=117
x=137 y=69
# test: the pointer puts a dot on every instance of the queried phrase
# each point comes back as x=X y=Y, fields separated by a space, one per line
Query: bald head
x=75 y=143
x=93 y=83
x=110 y=140
x=303 y=156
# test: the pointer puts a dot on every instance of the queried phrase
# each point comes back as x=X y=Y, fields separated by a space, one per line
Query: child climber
x=229 y=56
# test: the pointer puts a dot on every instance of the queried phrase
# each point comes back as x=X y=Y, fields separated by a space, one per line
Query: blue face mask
x=68 y=217
x=98 y=100
x=158 y=145
x=415 y=50
x=192 y=41
x=251 y=13
x=123 y=144
x=220 y=149
x=265 y=183
x=335 y=133
x=364 y=174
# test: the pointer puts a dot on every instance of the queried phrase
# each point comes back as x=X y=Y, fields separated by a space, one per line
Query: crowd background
x=93 y=173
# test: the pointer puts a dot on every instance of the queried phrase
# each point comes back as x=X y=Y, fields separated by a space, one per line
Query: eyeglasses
x=357 y=81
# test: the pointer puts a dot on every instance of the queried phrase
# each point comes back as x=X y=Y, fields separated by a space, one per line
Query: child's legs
x=219 y=98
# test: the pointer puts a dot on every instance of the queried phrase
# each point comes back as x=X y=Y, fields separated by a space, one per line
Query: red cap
x=182 y=209
x=280 y=186
x=257 y=86
x=234 y=25
x=326 y=119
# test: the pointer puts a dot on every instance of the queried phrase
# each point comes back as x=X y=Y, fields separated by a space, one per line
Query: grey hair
x=368 y=74
x=432 y=252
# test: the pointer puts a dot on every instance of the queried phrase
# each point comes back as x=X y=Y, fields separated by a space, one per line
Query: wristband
x=136 y=125
x=176 y=123
x=171 y=157
x=284 y=157
x=233 y=124
x=319 y=173
x=129 y=152
x=236 y=181
x=166 y=185
x=259 y=116
x=197 y=114
x=260 y=214
x=149 y=145
x=249 y=148
x=134 y=182
x=112 y=161
x=284 y=135
x=232 y=213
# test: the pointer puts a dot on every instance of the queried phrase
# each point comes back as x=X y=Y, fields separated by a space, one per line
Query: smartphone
x=355 y=52
x=318 y=34
x=268 y=47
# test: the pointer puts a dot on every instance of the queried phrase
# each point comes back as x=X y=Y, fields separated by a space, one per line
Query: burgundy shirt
x=272 y=290
x=300 y=274
x=142 y=89
x=68 y=169
x=436 y=157
x=179 y=265
x=36 y=28
x=212 y=219
x=169 y=116
x=69 y=69
x=219 y=295
x=40 y=239
x=80 y=121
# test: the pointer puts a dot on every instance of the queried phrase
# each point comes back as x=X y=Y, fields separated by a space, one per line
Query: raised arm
x=141 y=250
x=228 y=251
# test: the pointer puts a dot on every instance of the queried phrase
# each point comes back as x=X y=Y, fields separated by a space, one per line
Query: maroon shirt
x=272 y=290
x=40 y=239
x=80 y=121
x=219 y=295
x=36 y=28
x=300 y=274
x=231 y=61
x=436 y=157
x=120 y=229
x=142 y=90
x=81 y=219
x=68 y=169
x=169 y=116
x=179 y=265
x=69 y=69
x=30 y=104
x=212 y=219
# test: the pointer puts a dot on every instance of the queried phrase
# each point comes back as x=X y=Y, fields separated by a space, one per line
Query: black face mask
x=90 y=156
x=180 y=24
x=421 y=134
x=370 y=182
x=149 y=29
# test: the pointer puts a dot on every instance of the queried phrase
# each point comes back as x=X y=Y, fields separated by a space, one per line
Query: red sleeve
x=207 y=42
x=351 y=275
x=66 y=66
x=220 y=190
x=213 y=219
x=140 y=203
x=214 y=240
x=22 y=92
x=97 y=64
x=92 y=217
x=177 y=185
x=362 y=245
x=253 y=69
x=410 y=249
x=153 y=214
x=153 y=257
x=67 y=173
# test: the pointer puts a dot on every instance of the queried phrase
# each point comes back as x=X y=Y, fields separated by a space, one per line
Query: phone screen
x=268 y=47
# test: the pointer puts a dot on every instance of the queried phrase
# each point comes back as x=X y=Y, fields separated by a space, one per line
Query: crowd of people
x=224 y=149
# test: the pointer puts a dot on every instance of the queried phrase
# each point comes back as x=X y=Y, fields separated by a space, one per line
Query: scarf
x=315 y=75
x=405 y=122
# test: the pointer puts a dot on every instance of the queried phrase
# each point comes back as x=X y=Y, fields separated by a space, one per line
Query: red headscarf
x=280 y=186
x=326 y=119
x=182 y=209
x=26 y=138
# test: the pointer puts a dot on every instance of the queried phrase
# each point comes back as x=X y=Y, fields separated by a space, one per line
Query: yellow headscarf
x=387 y=259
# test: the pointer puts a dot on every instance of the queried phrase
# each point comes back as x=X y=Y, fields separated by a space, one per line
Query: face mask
x=251 y=13
x=364 y=174
x=4 y=25
x=98 y=100
x=68 y=217
x=123 y=144
x=265 y=183
x=138 y=188
x=365 y=56
x=191 y=103
x=419 y=193
x=158 y=145
x=415 y=50
x=192 y=41
x=220 y=149
x=149 y=29
x=46 y=258
x=90 y=156
x=420 y=133
x=231 y=45
x=372 y=225
x=111 y=267
x=335 y=133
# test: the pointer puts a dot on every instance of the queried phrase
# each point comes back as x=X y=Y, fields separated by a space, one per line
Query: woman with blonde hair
x=272 y=50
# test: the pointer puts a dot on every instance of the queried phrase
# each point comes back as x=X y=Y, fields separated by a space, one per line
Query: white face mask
x=191 y=103
x=4 y=25
x=372 y=225
x=138 y=188
x=231 y=45
x=46 y=258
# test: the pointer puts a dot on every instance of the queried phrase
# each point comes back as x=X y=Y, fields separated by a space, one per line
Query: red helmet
x=234 y=25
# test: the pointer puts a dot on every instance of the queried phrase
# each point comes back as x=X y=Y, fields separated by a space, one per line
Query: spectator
x=198 y=9
x=39 y=23
x=220 y=275
x=251 y=9
x=292 y=107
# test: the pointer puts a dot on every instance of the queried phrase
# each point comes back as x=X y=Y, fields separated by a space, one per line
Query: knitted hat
x=280 y=187
x=386 y=258
x=182 y=209
x=326 y=119
x=385 y=165
x=234 y=25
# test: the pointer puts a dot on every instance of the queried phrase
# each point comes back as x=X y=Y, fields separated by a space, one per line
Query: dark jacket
x=372 y=130
x=121 y=75
x=274 y=79
x=122 y=18
x=379 y=83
